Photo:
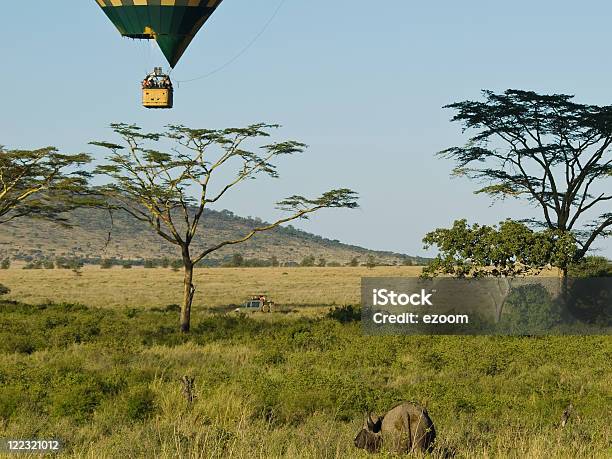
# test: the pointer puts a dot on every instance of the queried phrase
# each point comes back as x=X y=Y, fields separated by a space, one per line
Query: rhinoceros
x=404 y=429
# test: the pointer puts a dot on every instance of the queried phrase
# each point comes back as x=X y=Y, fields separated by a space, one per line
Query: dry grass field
x=146 y=288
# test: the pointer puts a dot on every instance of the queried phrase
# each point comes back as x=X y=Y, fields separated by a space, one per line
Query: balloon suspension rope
x=244 y=50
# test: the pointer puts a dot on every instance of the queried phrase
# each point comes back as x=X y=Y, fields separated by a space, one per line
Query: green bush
x=10 y=401
x=76 y=399
x=344 y=314
x=172 y=308
x=308 y=261
x=150 y=264
x=49 y=264
x=139 y=403
x=176 y=264
x=17 y=344
x=37 y=264
x=530 y=310
x=591 y=267
x=107 y=263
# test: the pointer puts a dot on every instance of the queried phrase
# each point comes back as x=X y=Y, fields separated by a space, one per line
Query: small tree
x=237 y=260
x=545 y=149
x=41 y=183
x=503 y=252
x=322 y=263
x=176 y=264
x=49 y=264
x=76 y=265
x=148 y=263
x=354 y=262
x=274 y=261
x=371 y=262
x=308 y=261
x=5 y=264
x=107 y=263
x=171 y=189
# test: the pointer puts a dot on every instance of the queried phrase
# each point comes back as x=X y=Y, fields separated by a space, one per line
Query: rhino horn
x=370 y=422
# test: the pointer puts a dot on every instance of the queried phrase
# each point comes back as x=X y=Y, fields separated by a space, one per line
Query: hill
x=88 y=238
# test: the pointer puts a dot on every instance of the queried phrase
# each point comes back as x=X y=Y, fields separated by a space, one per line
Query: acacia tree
x=170 y=189
x=546 y=149
x=41 y=183
x=507 y=250
x=502 y=252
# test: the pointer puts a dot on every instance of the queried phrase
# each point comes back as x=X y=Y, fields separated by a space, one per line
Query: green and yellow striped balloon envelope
x=172 y=23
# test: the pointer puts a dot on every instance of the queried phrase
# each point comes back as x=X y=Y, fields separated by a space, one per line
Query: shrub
x=308 y=261
x=591 y=267
x=17 y=344
x=107 y=263
x=77 y=400
x=236 y=261
x=34 y=265
x=371 y=262
x=49 y=264
x=140 y=403
x=345 y=314
x=529 y=310
x=150 y=264
x=173 y=308
x=9 y=401
x=176 y=264
x=4 y=290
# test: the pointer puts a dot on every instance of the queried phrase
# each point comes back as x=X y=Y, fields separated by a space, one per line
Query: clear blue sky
x=362 y=83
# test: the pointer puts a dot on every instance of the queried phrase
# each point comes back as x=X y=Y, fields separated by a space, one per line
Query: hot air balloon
x=171 y=23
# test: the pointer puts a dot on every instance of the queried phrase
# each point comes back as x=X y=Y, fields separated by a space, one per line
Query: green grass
x=106 y=381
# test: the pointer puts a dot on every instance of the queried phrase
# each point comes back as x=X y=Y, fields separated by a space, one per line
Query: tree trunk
x=564 y=286
x=189 y=291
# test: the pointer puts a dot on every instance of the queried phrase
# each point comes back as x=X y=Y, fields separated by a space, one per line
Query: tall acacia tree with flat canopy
x=171 y=189
x=546 y=149
x=41 y=183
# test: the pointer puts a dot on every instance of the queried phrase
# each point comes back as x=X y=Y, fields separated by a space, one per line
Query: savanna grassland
x=96 y=359
x=218 y=287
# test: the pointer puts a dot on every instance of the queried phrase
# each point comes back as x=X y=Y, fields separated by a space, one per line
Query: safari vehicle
x=258 y=303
